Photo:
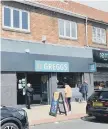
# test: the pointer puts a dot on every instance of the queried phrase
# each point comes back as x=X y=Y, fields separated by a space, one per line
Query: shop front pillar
x=89 y=78
x=8 y=89
x=52 y=85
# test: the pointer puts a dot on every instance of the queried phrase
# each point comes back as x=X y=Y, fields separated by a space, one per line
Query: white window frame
x=65 y=28
x=96 y=41
x=59 y=28
x=76 y=25
x=68 y=37
x=20 y=19
x=3 y=17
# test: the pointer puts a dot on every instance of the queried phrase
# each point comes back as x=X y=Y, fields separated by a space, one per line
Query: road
x=84 y=123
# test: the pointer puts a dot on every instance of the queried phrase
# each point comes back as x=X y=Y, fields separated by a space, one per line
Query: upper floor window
x=67 y=29
x=16 y=19
x=99 y=35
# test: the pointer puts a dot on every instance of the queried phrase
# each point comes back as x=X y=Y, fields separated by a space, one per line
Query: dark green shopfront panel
x=11 y=61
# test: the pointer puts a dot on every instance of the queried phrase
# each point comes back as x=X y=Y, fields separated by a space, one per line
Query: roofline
x=98 y=21
x=58 y=10
x=50 y=8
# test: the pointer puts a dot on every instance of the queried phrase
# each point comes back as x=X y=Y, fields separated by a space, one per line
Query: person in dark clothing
x=84 y=90
x=29 y=93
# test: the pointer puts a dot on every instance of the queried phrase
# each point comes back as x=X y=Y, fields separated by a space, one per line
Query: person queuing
x=84 y=90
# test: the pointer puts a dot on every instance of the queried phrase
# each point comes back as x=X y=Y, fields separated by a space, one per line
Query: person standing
x=68 y=96
x=84 y=90
x=29 y=93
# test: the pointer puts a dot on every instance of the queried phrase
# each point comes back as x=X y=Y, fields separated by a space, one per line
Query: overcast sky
x=99 y=4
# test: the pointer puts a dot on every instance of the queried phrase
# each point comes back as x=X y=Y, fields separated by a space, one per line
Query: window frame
x=59 y=27
x=76 y=25
x=96 y=41
x=65 y=22
x=3 y=17
x=11 y=27
x=13 y=18
x=68 y=37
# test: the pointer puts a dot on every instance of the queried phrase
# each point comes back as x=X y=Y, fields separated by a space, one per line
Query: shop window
x=73 y=79
x=21 y=84
x=100 y=84
x=100 y=78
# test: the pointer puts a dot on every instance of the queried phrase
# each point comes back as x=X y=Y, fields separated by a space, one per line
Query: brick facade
x=44 y=22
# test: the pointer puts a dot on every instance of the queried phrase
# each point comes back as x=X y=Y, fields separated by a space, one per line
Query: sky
x=98 y=4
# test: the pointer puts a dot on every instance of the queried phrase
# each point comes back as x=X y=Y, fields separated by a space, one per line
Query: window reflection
x=73 y=79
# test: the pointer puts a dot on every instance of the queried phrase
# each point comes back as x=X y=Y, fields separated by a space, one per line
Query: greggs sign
x=51 y=66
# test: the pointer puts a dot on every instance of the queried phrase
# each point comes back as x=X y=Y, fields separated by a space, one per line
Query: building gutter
x=86 y=32
x=50 y=8
x=97 y=21
x=58 y=10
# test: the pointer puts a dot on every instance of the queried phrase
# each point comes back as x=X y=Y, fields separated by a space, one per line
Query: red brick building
x=68 y=36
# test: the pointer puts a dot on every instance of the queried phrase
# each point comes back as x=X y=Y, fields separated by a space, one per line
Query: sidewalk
x=40 y=114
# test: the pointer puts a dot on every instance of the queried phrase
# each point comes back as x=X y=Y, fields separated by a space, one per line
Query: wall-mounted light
x=43 y=38
x=27 y=50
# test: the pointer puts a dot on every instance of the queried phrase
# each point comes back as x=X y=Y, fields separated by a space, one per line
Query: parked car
x=97 y=104
x=13 y=118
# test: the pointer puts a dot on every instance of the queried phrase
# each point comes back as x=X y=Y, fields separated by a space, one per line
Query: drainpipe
x=87 y=32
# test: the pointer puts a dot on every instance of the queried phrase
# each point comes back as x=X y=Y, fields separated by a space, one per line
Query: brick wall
x=43 y=22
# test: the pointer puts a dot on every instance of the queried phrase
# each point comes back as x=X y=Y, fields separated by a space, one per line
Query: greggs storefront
x=45 y=66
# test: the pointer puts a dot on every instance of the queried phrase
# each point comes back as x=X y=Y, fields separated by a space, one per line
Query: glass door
x=21 y=84
x=44 y=89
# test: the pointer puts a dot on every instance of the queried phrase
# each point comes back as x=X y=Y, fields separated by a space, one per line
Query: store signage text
x=92 y=67
x=51 y=66
x=104 y=55
x=100 y=56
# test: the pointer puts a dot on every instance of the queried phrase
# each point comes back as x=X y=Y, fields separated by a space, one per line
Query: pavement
x=40 y=114
x=83 y=123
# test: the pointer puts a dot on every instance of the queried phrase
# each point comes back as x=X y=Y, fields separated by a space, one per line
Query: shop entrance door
x=39 y=82
x=40 y=85
x=44 y=89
